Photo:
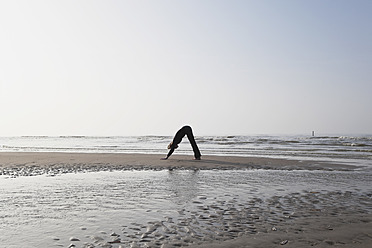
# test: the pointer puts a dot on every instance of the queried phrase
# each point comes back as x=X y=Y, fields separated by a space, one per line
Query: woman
x=186 y=130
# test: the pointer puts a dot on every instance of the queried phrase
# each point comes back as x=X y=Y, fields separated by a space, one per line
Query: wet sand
x=290 y=217
x=346 y=229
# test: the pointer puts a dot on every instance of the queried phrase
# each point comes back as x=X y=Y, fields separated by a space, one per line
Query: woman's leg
x=191 y=138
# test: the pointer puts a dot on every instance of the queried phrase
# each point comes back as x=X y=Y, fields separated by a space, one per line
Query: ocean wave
x=324 y=137
x=32 y=137
x=278 y=146
x=361 y=138
x=153 y=138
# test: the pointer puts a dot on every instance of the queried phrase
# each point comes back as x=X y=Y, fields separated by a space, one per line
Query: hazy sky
x=149 y=67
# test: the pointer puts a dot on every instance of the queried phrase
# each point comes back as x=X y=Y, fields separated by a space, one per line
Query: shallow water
x=45 y=211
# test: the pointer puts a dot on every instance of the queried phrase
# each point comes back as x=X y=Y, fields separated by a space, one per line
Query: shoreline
x=60 y=162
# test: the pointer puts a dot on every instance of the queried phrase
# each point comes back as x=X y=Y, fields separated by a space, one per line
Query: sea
x=335 y=148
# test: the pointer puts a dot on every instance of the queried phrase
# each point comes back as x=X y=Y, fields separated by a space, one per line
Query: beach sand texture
x=40 y=162
x=133 y=200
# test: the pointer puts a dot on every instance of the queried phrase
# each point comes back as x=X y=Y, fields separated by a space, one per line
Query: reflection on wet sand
x=172 y=208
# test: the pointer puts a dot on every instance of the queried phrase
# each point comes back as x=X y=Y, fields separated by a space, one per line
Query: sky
x=229 y=67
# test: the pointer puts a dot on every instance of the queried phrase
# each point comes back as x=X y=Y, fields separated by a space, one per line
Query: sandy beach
x=271 y=203
x=36 y=163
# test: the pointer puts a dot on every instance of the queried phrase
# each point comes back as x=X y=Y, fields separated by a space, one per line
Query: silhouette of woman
x=186 y=130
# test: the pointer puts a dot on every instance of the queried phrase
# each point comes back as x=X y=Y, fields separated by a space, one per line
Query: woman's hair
x=171 y=145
